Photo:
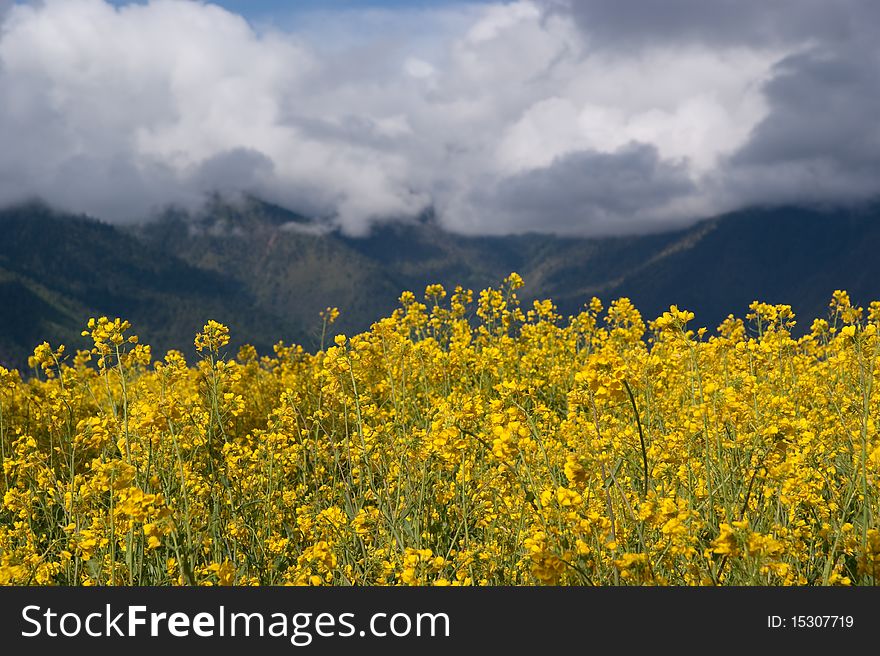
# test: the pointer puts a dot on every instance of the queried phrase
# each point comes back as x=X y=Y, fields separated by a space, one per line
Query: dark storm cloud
x=240 y=168
x=720 y=23
x=821 y=139
x=825 y=106
x=593 y=193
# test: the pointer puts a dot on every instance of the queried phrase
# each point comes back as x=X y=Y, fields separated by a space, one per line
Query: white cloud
x=418 y=68
x=375 y=115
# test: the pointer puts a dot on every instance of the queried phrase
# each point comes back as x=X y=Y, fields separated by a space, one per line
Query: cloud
x=582 y=117
x=629 y=190
x=239 y=167
x=821 y=141
x=720 y=23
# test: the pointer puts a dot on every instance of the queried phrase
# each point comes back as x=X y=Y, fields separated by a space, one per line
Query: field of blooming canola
x=461 y=441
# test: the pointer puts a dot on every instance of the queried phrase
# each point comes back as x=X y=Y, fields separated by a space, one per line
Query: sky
x=576 y=117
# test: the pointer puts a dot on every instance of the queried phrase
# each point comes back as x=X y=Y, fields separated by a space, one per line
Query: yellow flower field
x=461 y=441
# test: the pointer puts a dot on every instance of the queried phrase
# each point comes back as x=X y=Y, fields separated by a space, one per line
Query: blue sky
x=269 y=9
x=279 y=9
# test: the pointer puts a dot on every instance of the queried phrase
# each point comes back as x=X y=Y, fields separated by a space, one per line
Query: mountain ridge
x=268 y=272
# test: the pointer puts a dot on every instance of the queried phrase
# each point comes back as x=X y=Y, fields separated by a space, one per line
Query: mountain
x=793 y=256
x=268 y=272
x=56 y=271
